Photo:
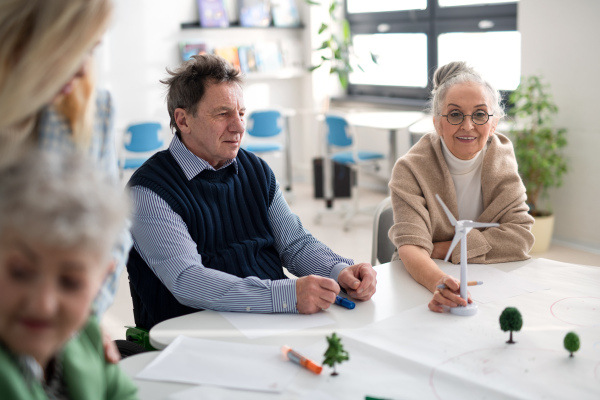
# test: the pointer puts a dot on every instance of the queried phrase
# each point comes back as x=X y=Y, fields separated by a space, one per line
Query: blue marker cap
x=341 y=301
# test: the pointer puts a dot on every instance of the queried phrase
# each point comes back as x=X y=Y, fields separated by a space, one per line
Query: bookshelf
x=284 y=87
x=260 y=53
x=196 y=25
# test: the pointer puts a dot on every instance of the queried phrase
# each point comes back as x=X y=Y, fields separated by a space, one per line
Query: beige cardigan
x=419 y=219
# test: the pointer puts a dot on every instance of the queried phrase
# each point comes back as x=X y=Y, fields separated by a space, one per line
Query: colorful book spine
x=212 y=14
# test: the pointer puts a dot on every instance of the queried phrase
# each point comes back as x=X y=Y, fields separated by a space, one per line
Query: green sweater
x=86 y=373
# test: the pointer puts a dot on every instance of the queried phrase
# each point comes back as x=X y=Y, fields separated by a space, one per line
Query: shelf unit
x=196 y=25
x=282 y=88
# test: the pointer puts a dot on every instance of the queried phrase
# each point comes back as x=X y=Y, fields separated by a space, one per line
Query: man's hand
x=449 y=296
x=315 y=293
x=359 y=281
x=111 y=353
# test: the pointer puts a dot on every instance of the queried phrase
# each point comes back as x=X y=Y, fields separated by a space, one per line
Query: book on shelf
x=212 y=14
x=265 y=57
x=189 y=49
x=285 y=13
x=229 y=53
x=247 y=59
x=255 y=13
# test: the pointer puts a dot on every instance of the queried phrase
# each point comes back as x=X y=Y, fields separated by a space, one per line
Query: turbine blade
x=448 y=213
x=455 y=241
x=472 y=224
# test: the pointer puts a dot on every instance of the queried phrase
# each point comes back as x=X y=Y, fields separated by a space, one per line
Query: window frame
x=433 y=21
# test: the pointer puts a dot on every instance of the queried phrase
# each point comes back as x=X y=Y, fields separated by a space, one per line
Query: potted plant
x=336 y=44
x=539 y=151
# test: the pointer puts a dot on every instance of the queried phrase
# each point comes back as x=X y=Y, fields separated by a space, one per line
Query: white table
x=391 y=281
x=392 y=121
x=376 y=337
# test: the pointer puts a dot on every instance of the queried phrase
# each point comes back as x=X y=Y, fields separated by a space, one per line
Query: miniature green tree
x=335 y=353
x=511 y=320
x=571 y=342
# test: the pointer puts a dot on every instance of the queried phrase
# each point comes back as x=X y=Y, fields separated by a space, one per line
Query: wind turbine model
x=462 y=228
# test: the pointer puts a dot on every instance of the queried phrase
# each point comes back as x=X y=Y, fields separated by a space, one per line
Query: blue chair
x=340 y=136
x=140 y=141
x=341 y=148
x=266 y=124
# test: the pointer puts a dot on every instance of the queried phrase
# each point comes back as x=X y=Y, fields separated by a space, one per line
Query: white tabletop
x=387 y=360
x=388 y=120
x=392 y=279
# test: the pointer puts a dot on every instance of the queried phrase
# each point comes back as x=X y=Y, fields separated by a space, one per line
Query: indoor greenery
x=338 y=43
x=538 y=144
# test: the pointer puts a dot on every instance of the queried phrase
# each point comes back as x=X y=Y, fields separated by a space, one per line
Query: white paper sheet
x=206 y=393
x=233 y=365
x=497 y=284
x=258 y=325
x=471 y=352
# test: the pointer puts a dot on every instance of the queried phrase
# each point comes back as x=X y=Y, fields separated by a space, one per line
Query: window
x=411 y=38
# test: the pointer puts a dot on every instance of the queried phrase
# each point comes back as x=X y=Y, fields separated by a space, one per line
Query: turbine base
x=464 y=311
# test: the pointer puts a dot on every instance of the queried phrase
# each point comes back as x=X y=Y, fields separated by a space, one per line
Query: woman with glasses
x=473 y=169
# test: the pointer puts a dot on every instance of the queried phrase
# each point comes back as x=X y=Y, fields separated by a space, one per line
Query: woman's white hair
x=457 y=72
x=43 y=44
x=61 y=201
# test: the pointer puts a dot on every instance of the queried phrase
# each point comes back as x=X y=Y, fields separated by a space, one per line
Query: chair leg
x=354 y=208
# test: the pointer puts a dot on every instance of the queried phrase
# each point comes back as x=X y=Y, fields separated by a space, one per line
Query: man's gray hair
x=61 y=201
x=188 y=83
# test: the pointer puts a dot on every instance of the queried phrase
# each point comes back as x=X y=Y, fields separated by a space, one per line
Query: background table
x=392 y=121
x=378 y=336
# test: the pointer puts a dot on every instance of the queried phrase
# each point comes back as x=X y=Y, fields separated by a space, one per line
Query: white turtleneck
x=466 y=175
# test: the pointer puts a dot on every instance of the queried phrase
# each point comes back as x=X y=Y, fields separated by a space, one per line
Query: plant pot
x=542 y=231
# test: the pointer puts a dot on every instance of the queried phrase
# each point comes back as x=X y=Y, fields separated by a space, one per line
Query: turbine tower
x=461 y=229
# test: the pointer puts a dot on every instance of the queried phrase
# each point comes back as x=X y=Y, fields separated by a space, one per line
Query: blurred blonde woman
x=47 y=94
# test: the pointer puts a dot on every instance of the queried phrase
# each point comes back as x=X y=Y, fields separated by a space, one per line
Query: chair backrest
x=383 y=248
x=338 y=131
x=143 y=137
x=264 y=123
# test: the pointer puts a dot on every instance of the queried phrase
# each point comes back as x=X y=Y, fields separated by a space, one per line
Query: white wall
x=560 y=41
x=143 y=40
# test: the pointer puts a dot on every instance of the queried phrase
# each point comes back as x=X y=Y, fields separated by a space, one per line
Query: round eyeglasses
x=479 y=117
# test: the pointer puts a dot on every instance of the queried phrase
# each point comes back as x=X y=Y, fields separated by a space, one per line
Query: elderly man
x=211 y=228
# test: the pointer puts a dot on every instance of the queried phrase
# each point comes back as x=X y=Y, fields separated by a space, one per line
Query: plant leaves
x=538 y=144
x=332 y=8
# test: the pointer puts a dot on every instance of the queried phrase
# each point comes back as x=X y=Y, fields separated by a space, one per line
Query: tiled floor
x=355 y=243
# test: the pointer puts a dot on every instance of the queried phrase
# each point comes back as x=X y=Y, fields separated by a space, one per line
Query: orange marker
x=301 y=360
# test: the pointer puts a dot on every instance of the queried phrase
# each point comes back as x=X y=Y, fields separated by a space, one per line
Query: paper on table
x=497 y=284
x=206 y=393
x=457 y=352
x=233 y=365
x=258 y=325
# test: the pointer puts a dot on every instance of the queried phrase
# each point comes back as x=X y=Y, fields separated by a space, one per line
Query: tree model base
x=468 y=310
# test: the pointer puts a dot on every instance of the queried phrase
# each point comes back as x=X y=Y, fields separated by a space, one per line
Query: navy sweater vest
x=227 y=216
